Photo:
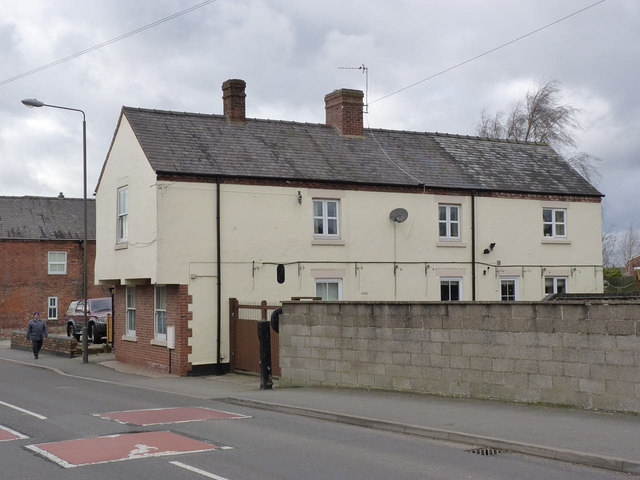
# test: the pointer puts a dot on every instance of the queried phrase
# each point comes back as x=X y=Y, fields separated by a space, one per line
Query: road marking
x=204 y=473
x=162 y=416
x=41 y=417
x=119 y=447
x=7 y=434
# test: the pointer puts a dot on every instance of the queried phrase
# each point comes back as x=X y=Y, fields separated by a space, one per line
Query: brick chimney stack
x=344 y=111
x=233 y=100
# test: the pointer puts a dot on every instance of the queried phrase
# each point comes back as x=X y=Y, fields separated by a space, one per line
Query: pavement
x=596 y=439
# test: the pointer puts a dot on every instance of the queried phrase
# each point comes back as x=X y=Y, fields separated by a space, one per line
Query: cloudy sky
x=290 y=53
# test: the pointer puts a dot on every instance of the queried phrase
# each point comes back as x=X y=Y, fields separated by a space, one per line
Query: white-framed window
x=449 y=222
x=52 y=310
x=450 y=289
x=160 y=317
x=329 y=288
x=131 y=311
x=508 y=289
x=326 y=218
x=555 y=285
x=122 y=228
x=554 y=222
x=57 y=263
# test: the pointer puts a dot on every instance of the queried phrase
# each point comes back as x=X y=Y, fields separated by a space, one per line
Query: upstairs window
x=449 y=222
x=326 y=218
x=554 y=222
x=122 y=229
x=57 y=263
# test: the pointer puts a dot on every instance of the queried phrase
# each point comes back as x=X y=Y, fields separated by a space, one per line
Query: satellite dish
x=398 y=215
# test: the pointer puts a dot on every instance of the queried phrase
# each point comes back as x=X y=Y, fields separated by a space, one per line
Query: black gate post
x=264 y=338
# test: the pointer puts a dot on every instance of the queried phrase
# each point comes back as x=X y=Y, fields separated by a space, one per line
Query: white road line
x=18 y=435
x=197 y=470
x=41 y=417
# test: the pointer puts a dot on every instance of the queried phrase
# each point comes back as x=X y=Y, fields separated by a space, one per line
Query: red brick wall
x=141 y=351
x=344 y=111
x=233 y=99
x=25 y=283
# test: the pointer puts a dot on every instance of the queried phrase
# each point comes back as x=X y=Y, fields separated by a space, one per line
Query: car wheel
x=95 y=336
x=71 y=332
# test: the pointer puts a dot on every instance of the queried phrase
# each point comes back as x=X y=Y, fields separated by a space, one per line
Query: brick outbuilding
x=41 y=242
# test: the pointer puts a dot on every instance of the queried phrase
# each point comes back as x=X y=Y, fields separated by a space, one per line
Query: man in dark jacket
x=37 y=331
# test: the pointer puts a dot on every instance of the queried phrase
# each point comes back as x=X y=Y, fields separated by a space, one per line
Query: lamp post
x=32 y=102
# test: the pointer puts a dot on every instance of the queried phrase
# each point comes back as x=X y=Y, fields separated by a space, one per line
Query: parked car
x=96 y=318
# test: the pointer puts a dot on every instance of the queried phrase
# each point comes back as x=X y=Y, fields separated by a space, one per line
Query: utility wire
x=108 y=42
x=420 y=182
x=489 y=51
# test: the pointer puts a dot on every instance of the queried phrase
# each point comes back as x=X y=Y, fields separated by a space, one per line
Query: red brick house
x=632 y=267
x=41 y=241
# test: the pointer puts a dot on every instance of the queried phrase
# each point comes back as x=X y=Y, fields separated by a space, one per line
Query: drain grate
x=486 y=451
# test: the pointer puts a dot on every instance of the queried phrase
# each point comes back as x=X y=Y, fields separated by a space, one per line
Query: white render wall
x=264 y=226
x=173 y=224
x=127 y=166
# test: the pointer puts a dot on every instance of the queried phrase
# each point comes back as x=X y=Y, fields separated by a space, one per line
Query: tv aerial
x=364 y=70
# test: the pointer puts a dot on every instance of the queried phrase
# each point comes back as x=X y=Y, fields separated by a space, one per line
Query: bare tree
x=542 y=117
x=609 y=249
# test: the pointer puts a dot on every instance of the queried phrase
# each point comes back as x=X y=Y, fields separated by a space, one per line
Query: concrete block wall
x=576 y=354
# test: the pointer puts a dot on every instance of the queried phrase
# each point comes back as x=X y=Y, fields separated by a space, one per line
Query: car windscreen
x=100 y=304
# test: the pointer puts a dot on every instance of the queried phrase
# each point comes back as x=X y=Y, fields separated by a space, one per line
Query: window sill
x=327 y=241
x=129 y=338
x=451 y=243
x=121 y=246
x=561 y=241
x=159 y=343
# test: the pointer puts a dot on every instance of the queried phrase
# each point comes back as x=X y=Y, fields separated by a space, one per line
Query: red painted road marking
x=8 y=434
x=159 y=416
x=114 y=448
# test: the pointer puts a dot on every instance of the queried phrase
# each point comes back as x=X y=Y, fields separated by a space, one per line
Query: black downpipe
x=473 y=245
x=219 y=270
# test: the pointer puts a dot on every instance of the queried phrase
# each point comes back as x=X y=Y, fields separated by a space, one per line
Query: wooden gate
x=243 y=333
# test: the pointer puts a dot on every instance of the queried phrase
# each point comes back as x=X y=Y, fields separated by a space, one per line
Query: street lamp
x=32 y=102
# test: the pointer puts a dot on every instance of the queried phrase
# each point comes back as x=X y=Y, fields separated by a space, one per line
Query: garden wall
x=577 y=354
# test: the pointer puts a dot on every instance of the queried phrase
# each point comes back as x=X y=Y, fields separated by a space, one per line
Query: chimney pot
x=233 y=100
x=344 y=111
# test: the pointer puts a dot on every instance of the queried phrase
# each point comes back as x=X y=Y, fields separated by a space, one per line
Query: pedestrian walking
x=37 y=332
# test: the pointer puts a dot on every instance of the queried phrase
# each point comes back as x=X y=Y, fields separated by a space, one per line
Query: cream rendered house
x=195 y=209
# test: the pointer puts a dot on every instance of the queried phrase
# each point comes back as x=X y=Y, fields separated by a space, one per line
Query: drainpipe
x=219 y=271
x=473 y=245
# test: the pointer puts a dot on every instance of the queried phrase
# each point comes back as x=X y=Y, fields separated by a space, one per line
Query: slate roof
x=208 y=145
x=46 y=218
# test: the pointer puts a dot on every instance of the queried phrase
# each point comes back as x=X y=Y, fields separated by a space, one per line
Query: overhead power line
x=108 y=42
x=489 y=51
